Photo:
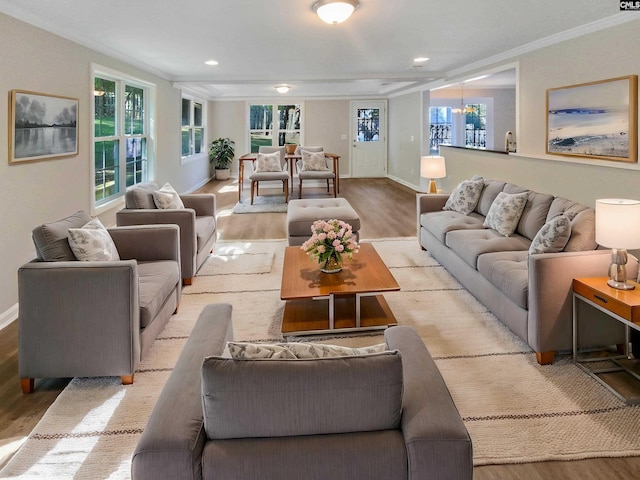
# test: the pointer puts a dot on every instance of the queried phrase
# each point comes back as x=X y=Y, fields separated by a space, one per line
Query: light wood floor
x=386 y=209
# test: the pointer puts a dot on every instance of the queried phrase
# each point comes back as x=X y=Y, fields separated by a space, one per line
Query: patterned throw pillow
x=505 y=212
x=552 y=237
x=268 y=162
x=256 y=351
x=465 y=197
x=167 y=197
x=93 y=243
x=313 y=161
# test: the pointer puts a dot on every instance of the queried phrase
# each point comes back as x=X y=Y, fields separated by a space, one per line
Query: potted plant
x=221 y=154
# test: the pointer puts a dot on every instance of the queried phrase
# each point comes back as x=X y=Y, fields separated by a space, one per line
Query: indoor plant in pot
x=221 y=154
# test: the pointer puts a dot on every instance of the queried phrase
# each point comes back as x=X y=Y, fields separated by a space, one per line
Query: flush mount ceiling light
x=211 y=62
x=420 y=59
x=335 y=11
x=283 y=88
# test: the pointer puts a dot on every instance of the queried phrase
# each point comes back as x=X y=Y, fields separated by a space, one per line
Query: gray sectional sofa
x=291 y=419
x=530 y=292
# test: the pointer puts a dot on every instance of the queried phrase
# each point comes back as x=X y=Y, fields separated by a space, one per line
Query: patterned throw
x=293 y=351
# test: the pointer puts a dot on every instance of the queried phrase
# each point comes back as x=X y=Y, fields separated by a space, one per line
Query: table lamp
x=618 y=228
x=432 y=167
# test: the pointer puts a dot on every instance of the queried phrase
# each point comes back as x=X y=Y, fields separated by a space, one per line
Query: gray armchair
x=256 y=177
x=324 y=174
x=197 y=222
x=95 y=318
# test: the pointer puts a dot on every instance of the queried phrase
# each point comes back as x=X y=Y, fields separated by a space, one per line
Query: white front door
x=369 y=138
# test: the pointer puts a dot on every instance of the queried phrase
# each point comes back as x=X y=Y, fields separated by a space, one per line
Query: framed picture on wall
x=595 y=120
x=41 y=126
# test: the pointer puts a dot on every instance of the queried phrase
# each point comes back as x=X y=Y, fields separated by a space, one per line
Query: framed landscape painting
x=41 y=126
x=595 y=120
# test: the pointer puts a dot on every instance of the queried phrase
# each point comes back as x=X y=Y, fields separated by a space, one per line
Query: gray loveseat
x=405 y=426
x=95 y=318
x=197 y=222
x=530 y=293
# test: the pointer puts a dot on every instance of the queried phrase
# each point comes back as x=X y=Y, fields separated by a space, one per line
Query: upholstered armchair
x=95 y=318
x=269 y=169
x=197 y=222
x=314 y=167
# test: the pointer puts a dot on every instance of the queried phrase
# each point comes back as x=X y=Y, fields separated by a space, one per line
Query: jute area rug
x=515 y=410
x=261 y=204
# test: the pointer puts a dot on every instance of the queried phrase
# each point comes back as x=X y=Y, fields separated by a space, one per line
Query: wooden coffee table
x=347 y=301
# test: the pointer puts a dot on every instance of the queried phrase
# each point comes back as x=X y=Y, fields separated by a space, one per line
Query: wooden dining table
x=290 y=159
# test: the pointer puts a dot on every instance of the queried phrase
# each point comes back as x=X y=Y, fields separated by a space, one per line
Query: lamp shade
x=335 y=11
x=618 y=223
x=433 y=167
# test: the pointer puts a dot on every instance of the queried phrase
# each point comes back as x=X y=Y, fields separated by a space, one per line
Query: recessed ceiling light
x=283 y=88
x=420 y=59
x=211 y=62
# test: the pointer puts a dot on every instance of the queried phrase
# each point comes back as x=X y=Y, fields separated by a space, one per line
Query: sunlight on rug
x=515 y=410
x=261 y=204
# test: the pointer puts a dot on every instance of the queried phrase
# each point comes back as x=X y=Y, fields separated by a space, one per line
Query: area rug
x=515 y=410
x=261 y=204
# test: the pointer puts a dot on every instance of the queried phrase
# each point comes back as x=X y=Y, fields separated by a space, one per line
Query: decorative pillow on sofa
x=51 y=239
x=553 y=236
x=167 y=197
x=268 y=162
x=293 y=350
x=465 y=196
x=505 y=212
x=313 y=161
x=93 y=243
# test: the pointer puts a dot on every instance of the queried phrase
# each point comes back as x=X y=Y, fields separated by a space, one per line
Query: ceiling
x=261 y=44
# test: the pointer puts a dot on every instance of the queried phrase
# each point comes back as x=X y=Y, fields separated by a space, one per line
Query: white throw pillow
x=292 y=351
x=167 y=197
x=505 y=212
x=552 y=237
x=92 y=243
x=313 y=161
x=268 y=162
x=465 y=196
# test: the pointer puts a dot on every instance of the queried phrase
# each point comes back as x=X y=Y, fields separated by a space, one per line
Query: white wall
x=405 y=138
x=34 y=193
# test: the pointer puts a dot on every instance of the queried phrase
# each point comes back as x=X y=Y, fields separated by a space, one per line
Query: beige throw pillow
x=268 y=162
x=465 y=197
x=167 y=197
x=552 y=237
x=505 y=212
x=92 y=243
x=292 y=351
x=313 y=161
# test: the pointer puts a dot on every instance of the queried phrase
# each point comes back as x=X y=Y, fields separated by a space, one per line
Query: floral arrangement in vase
x=329 y=242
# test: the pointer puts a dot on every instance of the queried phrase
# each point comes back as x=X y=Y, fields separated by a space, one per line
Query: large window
x=274 y=125
x=193 y=127
x=475 y=125
x=440 y=128
x=121 y=140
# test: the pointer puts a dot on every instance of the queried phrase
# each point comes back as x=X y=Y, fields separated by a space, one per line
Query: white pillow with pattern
x=256 y=351
x=167 y=197
x=313 y=162
x=465 y=196
x=268 y=162
x=552 y=237
x=92 y=243
x=505 y=212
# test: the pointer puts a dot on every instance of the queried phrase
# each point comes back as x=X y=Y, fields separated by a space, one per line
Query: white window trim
x=150 y=89
x=205 y=142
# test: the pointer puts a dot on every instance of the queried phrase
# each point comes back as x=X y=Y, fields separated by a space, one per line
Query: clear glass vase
x=333 y=264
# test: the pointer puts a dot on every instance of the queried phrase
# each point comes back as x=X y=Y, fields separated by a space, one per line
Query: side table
x=621 y=305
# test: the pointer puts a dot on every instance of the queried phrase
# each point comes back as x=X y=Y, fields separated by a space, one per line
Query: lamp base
x=620 y=285
x=432 y=186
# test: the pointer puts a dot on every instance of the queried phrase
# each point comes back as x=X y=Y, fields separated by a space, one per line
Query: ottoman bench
x=302 y=213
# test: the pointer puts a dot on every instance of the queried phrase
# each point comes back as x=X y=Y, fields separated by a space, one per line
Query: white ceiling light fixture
x=211 y=62
x=283 y=88
x=335 y=11
x=420 y=59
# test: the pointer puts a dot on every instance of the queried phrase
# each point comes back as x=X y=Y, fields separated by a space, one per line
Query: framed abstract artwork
x=41 y=126
x=594 y=120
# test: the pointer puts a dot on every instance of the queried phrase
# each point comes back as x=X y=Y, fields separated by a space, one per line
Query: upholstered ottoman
x=302 y=213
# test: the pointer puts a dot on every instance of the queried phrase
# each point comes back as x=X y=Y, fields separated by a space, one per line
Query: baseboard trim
x=8 y=316
x=405 y=183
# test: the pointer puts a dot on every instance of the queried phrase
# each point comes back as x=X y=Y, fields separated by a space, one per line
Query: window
x=440 y=128
x=475 y=125
x=368 y=125
x=121 y=137
x=193 y=127
x=263 y=131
